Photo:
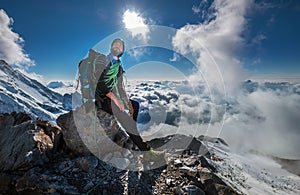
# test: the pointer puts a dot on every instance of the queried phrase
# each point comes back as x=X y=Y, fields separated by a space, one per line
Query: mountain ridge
x=22 y=94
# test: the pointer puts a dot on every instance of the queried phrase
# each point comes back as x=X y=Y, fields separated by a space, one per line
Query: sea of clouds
x=263 y=117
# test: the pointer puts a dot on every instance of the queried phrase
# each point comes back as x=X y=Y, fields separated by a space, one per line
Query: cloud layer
x=265 y=117
x=11 y=44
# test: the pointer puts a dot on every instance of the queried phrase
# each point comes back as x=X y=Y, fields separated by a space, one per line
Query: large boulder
x=96 y=132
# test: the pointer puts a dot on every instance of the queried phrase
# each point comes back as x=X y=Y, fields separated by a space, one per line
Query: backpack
x=89 y=71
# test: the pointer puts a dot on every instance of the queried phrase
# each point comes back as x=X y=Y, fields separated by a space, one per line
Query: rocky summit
x=38 y=157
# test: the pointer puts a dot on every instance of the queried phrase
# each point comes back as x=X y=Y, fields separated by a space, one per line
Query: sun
x=133 y=20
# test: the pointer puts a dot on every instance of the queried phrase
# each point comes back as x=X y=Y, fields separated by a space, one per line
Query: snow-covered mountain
x=18 y=93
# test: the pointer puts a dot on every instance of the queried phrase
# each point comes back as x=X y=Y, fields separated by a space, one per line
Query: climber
x=111 y=96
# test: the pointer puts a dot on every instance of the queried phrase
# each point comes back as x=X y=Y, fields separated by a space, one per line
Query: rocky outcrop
x=25 y=143
x=40 y=158
x=92 y=132
x=190 y=174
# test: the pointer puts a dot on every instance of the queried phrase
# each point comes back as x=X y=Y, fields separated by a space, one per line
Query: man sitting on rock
x=111 y=97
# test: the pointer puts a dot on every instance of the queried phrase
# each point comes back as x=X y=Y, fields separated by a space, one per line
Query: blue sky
x=58 y=34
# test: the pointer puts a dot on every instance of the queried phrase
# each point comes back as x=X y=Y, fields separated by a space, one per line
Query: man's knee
x=135 y=105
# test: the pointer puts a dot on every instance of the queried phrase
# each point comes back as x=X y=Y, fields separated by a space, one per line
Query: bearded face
x=117 y=49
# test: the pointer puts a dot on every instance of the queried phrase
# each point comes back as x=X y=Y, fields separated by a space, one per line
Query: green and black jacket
x=111 y=80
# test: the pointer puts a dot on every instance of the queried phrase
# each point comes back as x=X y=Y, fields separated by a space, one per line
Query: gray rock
x=24 y=144
x=35 y=181
x=189 y=171
x=220 y=189
x=65 y=166
x=205 y=163
x=120 y=138
x=88 y=186
x=84 y=133
x=120 y=163
x=178 y=191
x=190 y=161
x=177 y=162
x=5 y=181
x=87 y=163
x=13 y=119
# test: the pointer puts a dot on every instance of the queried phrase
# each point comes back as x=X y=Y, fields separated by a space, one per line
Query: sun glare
x=132 y=20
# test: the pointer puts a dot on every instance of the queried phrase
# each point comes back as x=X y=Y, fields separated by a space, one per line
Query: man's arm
x=116 y=101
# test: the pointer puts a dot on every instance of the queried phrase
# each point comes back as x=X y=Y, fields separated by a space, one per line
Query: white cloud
x=202 y=9
x=196 y=9
x=11 y=44
x=217 y=40
x=136 y=25
x=268 y=121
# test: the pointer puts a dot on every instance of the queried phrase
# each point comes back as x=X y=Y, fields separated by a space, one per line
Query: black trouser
x=128 y=123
